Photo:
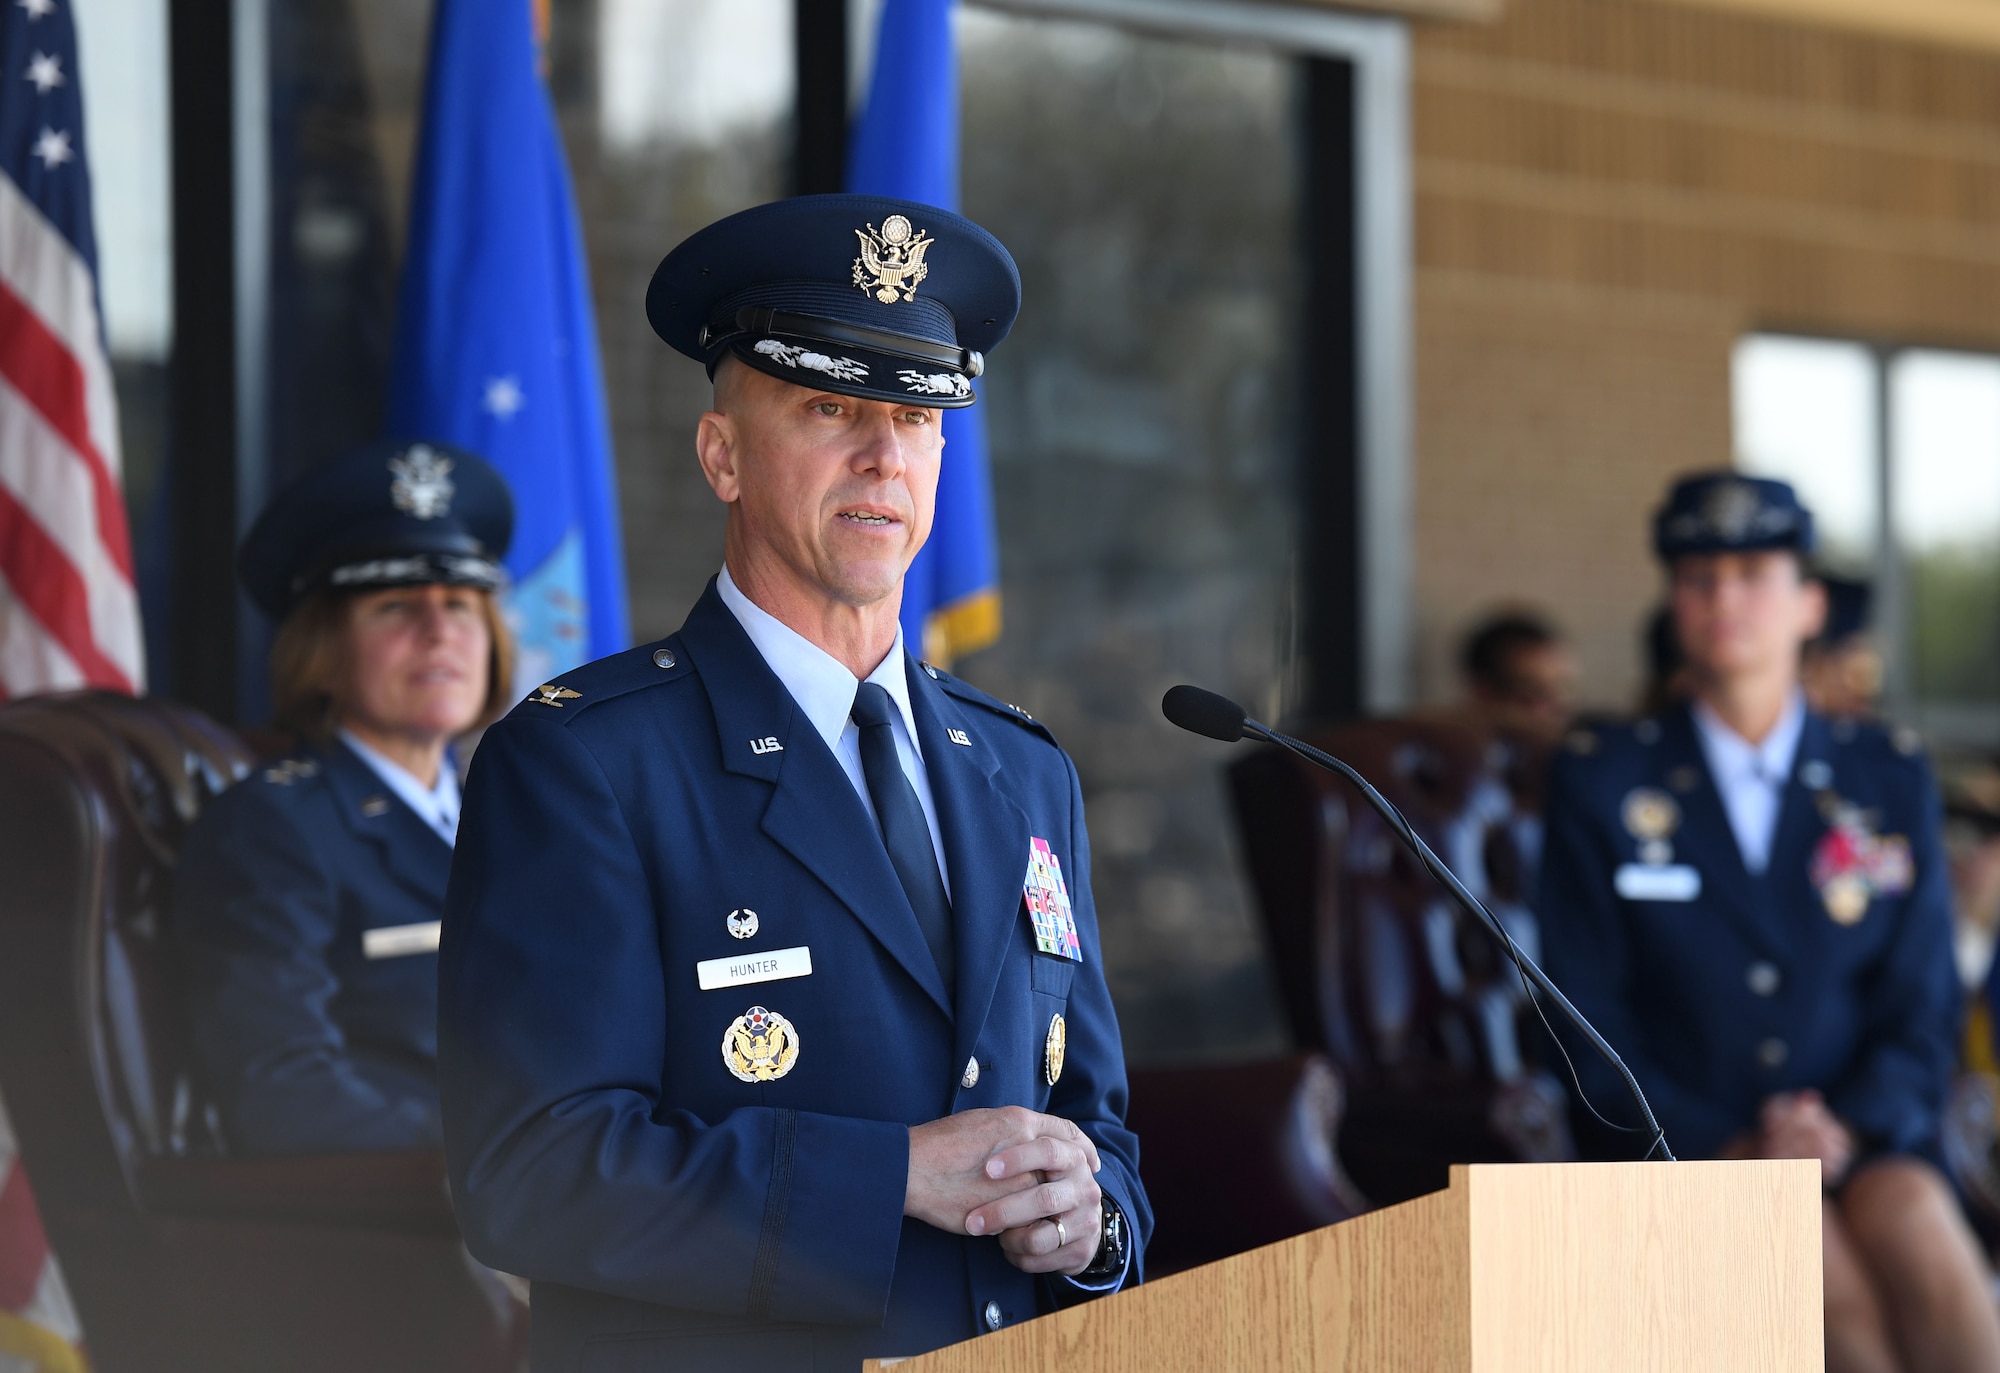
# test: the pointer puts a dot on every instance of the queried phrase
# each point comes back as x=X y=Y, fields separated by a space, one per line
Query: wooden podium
x=1516 y=1268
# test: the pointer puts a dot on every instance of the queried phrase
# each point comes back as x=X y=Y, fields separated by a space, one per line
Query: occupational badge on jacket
x=1047 y=899
x=1651 y=817
x=1053 y=1048
x=892 y=261
x=761 y=1046
x=1853 y=865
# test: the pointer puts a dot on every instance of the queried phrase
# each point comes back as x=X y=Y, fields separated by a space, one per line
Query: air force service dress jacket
x=310 y=1043
x=671 y=1214
x=1831 y=970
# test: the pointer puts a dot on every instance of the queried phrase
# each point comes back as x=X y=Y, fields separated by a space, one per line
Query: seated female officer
x=308 y=895
x=1751 y=902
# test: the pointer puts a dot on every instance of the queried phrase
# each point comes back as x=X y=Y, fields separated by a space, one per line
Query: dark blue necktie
x=905 y=832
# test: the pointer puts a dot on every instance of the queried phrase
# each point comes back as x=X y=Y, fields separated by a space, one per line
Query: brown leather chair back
x=1412 y=999
x=96 y=791
x=182 y=1259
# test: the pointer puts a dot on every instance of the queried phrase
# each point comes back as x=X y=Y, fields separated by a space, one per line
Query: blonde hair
x=309 y=663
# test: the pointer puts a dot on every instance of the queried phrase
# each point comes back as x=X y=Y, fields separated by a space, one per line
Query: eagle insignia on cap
x=1731 y=509
x=420 y=483
x=892 y=262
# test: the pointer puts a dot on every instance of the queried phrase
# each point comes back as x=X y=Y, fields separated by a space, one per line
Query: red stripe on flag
x=44 y=372
x=24 y=1248
x=52 y=589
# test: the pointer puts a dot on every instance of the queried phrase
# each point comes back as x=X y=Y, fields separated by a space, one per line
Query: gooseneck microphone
x=1218 y=717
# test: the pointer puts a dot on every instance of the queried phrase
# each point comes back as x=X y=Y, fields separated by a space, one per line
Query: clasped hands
x=1799 y=1125
x=1014 y=1173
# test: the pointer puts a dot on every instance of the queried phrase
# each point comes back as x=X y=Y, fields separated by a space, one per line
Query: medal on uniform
x=1053 y=1049
x=761 y=1046
x=1852 y=865
x=1047 y=899
x=1651 y=817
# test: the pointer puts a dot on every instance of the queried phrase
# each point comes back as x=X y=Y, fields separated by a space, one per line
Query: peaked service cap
x=1726 y=512
x=386 y=514
x=863 y=295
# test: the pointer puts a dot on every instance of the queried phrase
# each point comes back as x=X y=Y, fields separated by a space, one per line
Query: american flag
x=69 y=616
x=39 y=1331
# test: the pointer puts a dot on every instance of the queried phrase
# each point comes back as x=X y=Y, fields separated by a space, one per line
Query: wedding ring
x=1062 y=1235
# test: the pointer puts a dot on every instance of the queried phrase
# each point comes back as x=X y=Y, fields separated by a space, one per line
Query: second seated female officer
x=1750 y=900
x=309 y=895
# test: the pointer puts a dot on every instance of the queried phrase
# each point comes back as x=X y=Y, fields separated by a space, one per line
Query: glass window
x=1807 y=413
x=1143 y=431
x=1945 y=465
x=122 y=53
x=1911 y=504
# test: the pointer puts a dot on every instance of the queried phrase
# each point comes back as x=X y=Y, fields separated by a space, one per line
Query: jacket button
x=1772 y=1053
x=663 y=657
x=993 y=1315
x=1763 y=978
x=970 y=1078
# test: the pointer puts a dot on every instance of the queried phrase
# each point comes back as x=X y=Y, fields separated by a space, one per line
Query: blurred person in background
x=1842 y=668
x=309 y=895
x=1520 y=678
x=1666 y=669
x=1751 y=902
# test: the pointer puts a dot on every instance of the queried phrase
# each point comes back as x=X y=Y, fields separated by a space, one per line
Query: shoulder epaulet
x=290 y=772
x=972 y=695
x=1886 y=741
x=606 y=679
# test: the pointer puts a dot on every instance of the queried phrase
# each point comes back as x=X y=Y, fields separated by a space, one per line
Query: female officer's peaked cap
x=388 y=514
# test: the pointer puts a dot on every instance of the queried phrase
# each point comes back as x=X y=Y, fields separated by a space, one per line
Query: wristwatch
x=1110 y=1258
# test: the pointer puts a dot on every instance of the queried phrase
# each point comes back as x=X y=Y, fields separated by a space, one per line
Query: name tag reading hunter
x=744 y=969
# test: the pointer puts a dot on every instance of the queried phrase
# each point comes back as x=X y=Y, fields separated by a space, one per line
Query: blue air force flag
x=906 y=145
x=496 y=342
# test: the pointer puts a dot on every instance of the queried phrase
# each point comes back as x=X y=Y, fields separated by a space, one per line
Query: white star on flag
x=37 y=8
x=503 y=397
x=46 y=72
x=53 y=148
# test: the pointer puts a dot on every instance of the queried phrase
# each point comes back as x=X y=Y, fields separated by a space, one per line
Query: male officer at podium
x=1750 y=901
x=773 y=1024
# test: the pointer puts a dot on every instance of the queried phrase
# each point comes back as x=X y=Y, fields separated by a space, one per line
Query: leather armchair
x=180 y=1257
x=1415 y=1004
x=1238 y=1155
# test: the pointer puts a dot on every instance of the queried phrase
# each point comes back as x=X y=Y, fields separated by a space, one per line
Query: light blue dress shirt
x=824 y=689
x=1751 y=777
x=436 y=806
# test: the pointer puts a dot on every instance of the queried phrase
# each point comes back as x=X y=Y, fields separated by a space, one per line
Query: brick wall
x=1609 y=192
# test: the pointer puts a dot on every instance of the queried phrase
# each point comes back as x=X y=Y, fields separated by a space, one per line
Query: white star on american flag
x=37 y=8
x=503 y=397
x=53 y=148
x=46 y=72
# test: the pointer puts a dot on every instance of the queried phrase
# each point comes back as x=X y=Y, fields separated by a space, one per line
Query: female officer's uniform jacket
x=309 y=1043
x=1832 y=969
x=601 y=1140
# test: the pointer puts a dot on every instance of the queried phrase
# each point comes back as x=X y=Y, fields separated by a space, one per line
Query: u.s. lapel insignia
x=768 y=744
x=549 y=695
x=760 y=1046
x=1053 y=1049
x=375 y=805
x=891 y=264
x=290 y=771
x=958 y=736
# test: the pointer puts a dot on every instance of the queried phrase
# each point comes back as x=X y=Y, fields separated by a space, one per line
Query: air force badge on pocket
x=1047 y=899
